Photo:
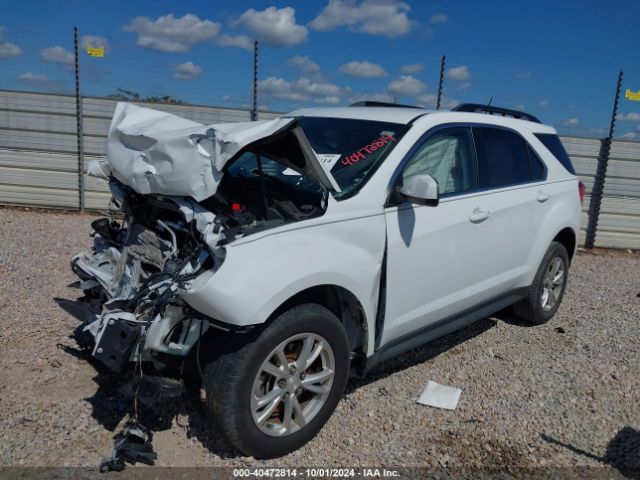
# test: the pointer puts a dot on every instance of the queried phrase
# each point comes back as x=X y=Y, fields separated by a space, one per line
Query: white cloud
x=94 y=41
x=170 y=34
x=406 y=85
x=519 y=107
x=8 y=49
x=543 y=103
x=629 y=135
x=524 y=75
x=375 y=97
x=412 y=68
x=40 y=81
x=274 y=26
x=628 y=117
x=57 y=55
x=459 y=73
x=304 y=63
x=186 y=71
x=596 y=131
x=363 y=69
x=439 y=18
x=376 y=17
x=240 y=41
x=571 y=122
x=464 y=86
x=301 y=90
x=430 y=100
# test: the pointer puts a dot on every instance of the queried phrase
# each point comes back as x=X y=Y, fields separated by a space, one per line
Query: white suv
x=277 y=257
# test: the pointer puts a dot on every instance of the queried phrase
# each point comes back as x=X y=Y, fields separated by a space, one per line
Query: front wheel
x=546 y=292
x=272 y=394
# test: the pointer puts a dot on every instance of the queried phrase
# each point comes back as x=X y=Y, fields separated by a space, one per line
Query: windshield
x=351 y=149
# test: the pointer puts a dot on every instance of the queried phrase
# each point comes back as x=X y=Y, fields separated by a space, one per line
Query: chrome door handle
x=479 y=215
x=543 y=197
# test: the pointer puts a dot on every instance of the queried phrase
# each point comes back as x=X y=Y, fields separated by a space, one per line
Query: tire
x=237 y=382
x=534 y=308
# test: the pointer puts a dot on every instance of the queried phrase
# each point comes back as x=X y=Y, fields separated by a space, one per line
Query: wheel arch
x=568 y=239
x=342 y=303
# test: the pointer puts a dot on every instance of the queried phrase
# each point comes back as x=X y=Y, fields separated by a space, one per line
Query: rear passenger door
x=510 y=182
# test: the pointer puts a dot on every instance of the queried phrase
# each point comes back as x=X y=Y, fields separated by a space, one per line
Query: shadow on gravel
x=422 y=353
x=623 y=452
x=508 y=317
x=112 y=401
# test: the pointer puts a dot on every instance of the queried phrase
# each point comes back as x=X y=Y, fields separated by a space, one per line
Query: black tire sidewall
x=556 y=250
x=309 y=318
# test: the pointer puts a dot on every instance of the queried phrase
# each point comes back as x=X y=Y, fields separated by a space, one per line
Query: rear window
x=553 y=144
x=503 y=158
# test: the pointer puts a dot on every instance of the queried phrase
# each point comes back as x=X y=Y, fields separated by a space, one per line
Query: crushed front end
x=181 y=192
x=137 y=267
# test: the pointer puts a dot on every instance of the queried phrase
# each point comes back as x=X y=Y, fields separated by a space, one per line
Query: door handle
x=479 y=215
x=543 y=197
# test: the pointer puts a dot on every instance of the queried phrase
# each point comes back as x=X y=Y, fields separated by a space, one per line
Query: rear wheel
x=271 y=395
x=546 y=292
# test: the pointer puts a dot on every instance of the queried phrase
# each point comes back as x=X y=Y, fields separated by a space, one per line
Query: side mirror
x=421 y=189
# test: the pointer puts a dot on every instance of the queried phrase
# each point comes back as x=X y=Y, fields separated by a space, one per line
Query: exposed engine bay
x=139 y=264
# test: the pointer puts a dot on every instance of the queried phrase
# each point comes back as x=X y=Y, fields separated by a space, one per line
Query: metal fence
x=39 y=159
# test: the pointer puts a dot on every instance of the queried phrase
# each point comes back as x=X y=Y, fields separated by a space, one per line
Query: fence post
x=254 y=110
x=80 y=131
x=442 y=60
x=601 y=173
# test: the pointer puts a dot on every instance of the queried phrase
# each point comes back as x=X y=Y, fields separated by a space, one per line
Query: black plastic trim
x=490 y=109
x=373 y=103
x=444 y=326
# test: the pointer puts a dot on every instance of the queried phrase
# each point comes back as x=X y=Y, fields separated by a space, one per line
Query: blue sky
x=557 y=60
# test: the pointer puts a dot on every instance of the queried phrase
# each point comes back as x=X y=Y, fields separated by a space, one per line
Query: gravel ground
x=559 y=395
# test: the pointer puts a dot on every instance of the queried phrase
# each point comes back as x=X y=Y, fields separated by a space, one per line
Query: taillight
x=581 y=192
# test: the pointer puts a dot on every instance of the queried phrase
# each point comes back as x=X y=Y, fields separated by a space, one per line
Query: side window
x=448 y=157
x=537 y=167
x=503 y=157
x=552 y=142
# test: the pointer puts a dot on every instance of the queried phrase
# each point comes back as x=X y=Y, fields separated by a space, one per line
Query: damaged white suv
x=280 y=256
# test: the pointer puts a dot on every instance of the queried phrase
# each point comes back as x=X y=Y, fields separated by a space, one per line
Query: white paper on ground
x=440 y=396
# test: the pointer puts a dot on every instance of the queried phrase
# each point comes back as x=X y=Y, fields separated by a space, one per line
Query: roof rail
x=489 y=109
x=373 y=103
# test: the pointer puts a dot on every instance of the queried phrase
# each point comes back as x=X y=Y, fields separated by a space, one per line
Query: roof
x=406 y=115
x=402 y=115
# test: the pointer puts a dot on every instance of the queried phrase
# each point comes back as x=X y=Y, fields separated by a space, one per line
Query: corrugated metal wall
x=619 y=219
x=39 y=161
x=39 y=145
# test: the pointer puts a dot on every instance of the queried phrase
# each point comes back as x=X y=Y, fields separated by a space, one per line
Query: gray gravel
x=563 y=394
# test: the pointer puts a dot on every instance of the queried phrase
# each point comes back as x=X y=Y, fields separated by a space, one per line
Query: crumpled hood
x=161 y=153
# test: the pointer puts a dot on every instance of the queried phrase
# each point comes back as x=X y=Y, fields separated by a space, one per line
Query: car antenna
x=490 y=101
